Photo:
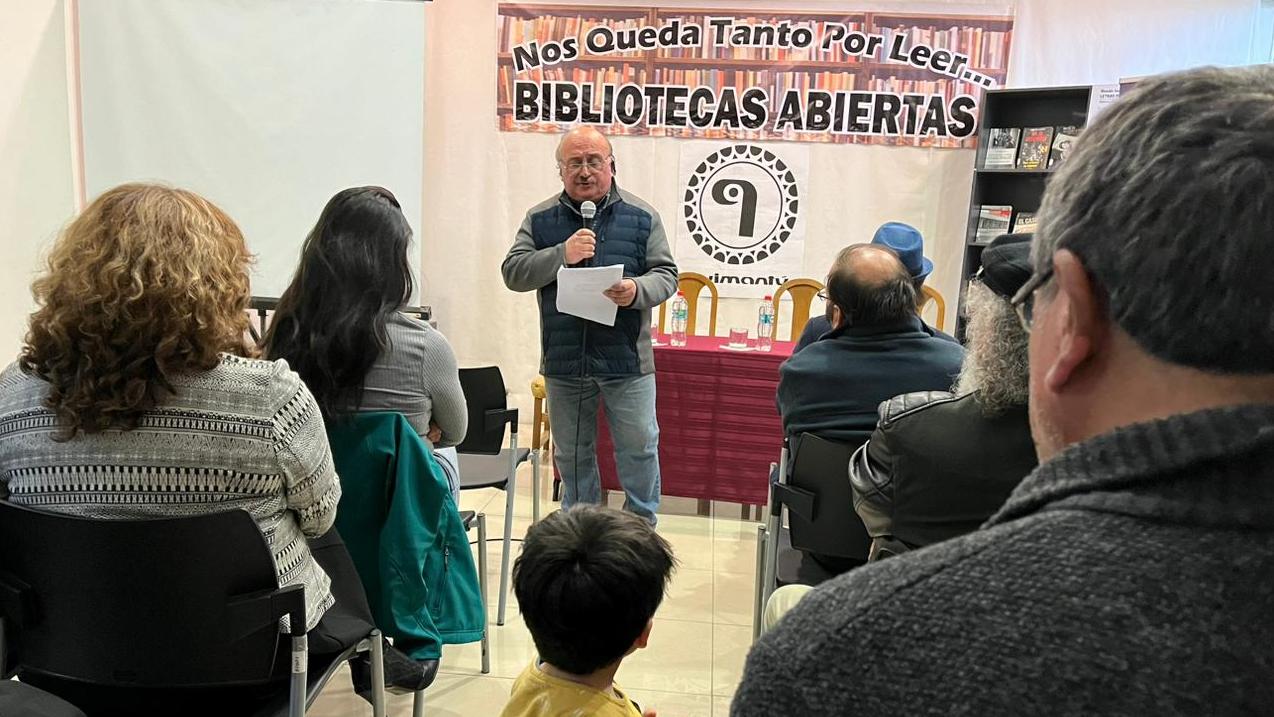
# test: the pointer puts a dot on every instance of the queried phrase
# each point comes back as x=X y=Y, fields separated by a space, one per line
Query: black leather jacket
x=936 y=467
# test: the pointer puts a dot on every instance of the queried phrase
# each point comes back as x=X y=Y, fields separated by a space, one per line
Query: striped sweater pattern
x=245 y=435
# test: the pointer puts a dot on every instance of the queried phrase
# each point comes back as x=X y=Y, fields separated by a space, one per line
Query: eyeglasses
x=594 y=164
x=822 y=295
x=1024 y=301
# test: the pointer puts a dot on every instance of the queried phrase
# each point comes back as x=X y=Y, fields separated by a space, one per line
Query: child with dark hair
x=589 y=580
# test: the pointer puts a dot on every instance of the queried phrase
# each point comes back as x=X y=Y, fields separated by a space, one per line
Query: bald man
x=583 y=361
x=878 y=348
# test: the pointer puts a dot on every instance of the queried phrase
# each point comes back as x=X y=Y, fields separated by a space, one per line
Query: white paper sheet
x=579 y=292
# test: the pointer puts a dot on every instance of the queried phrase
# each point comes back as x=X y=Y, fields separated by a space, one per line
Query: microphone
x=588 y=210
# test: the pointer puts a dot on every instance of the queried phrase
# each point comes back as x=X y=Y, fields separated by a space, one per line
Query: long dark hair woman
x=340 y=325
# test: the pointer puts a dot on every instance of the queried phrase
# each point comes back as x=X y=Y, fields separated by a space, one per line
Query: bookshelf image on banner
x=721 y=60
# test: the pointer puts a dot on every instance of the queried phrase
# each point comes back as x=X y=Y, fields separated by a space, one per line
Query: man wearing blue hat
x=906 y=241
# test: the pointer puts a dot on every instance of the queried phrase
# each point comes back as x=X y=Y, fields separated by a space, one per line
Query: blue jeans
x=449 y=462
x=630 y=413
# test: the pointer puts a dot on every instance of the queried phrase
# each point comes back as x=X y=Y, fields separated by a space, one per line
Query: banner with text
x=741 y=221
x=847 y=77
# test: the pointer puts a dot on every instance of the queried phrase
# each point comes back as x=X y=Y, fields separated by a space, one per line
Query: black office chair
x=823 y=537
x=485 y=462
x=18 y=699
x=155 y=606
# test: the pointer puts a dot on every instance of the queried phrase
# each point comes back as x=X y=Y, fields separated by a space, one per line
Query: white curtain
x=267 y=107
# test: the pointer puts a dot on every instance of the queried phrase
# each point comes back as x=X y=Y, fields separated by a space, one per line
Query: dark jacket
x=629 y=232
x=937 y=467
x=833 y=388
x=818 y=327
x=1128 y=575
x=405 y=535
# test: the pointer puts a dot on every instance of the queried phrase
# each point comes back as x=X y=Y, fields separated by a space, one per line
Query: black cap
x=1006 y=264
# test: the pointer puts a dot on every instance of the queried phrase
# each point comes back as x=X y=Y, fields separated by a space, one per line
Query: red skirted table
x=719 y=429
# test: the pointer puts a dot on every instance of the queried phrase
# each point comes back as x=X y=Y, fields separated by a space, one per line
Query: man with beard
x=939 y=464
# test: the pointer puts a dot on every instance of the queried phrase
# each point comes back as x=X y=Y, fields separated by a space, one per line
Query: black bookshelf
x=1020 y=188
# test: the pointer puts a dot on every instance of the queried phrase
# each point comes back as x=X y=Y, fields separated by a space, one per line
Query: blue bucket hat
x=906 y=241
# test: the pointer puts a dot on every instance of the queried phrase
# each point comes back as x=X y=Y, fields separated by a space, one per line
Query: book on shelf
x=1063 y=138
x=1033 y=153
x=993 y=220
x=1024 y=223
x=1001 y=152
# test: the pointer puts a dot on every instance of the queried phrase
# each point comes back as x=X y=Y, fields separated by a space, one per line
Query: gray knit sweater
x=417 y=376
x=1132 y=574
x=246 y=434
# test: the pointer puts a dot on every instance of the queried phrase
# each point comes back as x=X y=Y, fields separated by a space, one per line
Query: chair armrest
x=248 y=613
x=797 y=500
x=17 y=601
x=497 y=417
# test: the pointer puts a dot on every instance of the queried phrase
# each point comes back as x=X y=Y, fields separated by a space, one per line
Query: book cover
x=1001 y=152
x=1063 y=137
x=1024 y=223
x=993 y=220
x=1036 y=142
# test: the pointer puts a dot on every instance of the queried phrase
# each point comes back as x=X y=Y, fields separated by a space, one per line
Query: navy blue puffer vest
x=573 y=346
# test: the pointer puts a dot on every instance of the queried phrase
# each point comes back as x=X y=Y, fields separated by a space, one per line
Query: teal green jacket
x=403 y=531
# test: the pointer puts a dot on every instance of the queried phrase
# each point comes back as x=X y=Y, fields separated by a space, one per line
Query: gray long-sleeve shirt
x=528 y=268
x=418 y=377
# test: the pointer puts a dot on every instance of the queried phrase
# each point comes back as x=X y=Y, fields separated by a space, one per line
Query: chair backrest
x=486 y=398
x=262 y=308
x=820 y=500
x=931 y=294
x=803 y=293
x=692 y=285
x=172 y=602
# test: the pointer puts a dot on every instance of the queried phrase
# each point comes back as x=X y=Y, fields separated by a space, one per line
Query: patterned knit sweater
x=245 y=435
x=1131 y=574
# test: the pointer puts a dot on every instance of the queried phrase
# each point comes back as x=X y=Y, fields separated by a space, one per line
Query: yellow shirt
x=536 y=694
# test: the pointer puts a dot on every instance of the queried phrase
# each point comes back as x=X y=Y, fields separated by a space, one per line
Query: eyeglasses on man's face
x=594 y=164
x=1024 y=301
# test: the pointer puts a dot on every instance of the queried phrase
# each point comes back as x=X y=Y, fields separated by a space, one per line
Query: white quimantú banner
x=741 y=218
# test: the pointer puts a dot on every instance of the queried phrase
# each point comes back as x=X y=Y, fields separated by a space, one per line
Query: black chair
x=485 y=462
x=823 y=536
x=263 y=306
x=18 y=699
x=157 y=607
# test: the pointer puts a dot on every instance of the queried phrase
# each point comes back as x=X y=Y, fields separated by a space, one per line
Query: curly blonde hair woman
x=148 y=283
x=136 y=395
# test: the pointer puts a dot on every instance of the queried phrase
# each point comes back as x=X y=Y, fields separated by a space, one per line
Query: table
x=719 y=428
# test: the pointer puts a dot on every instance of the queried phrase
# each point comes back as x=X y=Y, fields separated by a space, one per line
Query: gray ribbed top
x=418 y=377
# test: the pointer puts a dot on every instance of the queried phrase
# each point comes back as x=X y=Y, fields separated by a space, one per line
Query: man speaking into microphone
x=582 y=360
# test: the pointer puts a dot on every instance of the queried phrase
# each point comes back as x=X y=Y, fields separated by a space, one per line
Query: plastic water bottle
x=680 y=317
x=765 y=325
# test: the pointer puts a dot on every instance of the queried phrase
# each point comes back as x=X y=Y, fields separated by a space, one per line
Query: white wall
x=479 y=182
x=35 y=153
x=1087 y=42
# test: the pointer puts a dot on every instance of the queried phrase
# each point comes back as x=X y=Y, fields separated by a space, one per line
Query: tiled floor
x=696 y=653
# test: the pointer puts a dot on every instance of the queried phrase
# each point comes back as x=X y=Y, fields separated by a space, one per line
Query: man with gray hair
x=1129 y=573
x=583 y=361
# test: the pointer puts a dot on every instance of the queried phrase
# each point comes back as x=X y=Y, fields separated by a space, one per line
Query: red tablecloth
x=719 y=429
